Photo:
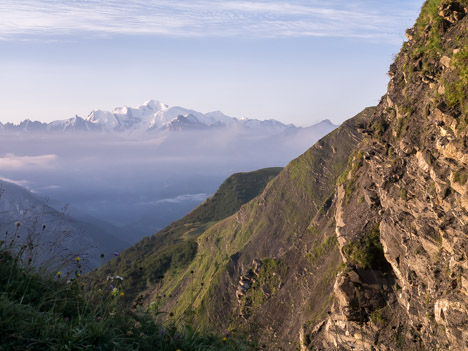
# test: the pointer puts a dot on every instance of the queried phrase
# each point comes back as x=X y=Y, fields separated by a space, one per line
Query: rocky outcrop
x=246 y=280
x=408 y=180
x=452 y=11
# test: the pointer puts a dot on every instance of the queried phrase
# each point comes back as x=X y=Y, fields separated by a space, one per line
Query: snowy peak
x=103 y=118
x=126 y=118
x=26 y=126
x=148 y=118
x=154 y=105
x=153 y=115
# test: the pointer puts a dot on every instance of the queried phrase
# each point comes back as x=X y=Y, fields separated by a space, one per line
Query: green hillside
x=44 y=311
x=170 y=251
x=359 y=243
x=267 y=245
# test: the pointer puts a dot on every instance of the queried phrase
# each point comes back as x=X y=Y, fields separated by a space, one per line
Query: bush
x=366 y=252
x=461 y=176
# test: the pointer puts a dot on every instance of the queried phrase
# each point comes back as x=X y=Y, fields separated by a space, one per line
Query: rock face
x=408 y=181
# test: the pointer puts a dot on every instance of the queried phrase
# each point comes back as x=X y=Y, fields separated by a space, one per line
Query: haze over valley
x=141 y=168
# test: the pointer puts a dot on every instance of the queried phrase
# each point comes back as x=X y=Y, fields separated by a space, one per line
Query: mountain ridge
x=58 y=237
x=171 y=249
x=219 y=244
x=148 y=118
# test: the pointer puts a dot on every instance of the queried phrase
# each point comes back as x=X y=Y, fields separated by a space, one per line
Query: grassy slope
x=172 y=249
x=41 y=312
x=292 y=215
x=192 y=268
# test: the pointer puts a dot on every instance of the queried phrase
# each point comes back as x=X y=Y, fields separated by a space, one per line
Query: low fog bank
x=142 y=185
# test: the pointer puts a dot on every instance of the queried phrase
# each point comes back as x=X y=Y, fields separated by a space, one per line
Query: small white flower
x=118 y=277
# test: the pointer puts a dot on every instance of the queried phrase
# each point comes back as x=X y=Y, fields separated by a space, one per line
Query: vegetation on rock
x=366 y=251
x=412 y=181
x=273 y=228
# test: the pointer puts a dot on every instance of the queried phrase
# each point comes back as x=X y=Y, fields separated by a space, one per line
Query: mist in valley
x=134 y=185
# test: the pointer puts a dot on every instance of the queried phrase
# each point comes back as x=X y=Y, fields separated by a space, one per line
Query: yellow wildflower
x=122 y=294
x=78 y=259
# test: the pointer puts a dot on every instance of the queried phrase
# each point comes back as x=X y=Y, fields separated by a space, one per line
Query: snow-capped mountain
x=150 y=117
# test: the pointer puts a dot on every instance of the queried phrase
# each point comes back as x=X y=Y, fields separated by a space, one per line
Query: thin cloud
x=203 y=18
x=178 y=199
x=13 y=162
x=184 y=198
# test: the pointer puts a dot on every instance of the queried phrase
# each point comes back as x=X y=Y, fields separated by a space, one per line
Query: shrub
x=366 y=252
x=461 y=176
x=323 y=248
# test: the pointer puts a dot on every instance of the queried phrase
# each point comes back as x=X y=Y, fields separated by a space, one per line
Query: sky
x=297 y=61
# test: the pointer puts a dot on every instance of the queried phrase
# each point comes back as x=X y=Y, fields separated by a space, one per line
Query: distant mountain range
x=149 y=118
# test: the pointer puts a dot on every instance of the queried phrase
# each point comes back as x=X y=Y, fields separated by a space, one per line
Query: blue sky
x=296 y=61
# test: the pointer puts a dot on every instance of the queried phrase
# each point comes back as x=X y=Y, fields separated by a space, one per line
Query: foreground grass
x=44 y=311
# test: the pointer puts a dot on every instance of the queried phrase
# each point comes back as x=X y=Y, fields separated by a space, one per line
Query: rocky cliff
x=402 y=206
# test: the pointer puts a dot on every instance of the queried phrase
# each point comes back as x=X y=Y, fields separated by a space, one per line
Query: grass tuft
x=40 y=310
